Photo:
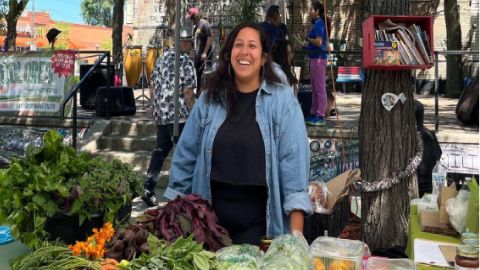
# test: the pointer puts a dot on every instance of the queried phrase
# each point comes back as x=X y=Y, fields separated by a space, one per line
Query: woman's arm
x=296 y=221
x=317 y=41
x=186 y=154
x=294 y=162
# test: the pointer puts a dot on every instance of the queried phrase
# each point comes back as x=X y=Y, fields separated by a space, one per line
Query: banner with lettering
x=35 y=83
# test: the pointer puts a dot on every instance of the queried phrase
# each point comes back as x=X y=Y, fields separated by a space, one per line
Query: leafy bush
x=54 y=179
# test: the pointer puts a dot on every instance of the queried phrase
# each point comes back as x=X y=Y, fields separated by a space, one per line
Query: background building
x=73 y=36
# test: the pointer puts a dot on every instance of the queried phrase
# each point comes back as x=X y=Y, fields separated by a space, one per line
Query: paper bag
x=447 y=193
x=339 y=186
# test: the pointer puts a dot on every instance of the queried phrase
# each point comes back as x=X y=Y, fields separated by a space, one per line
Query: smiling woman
x=247 y=59
x=244 y=146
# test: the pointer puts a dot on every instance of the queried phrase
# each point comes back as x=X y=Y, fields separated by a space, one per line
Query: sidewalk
x=450 y=129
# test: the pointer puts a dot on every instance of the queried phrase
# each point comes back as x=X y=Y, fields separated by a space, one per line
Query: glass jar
x=467 y=258
x=469 y=235
x=473 y=242
x=265 y=243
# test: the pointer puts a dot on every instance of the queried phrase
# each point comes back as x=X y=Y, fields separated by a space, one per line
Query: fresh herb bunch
x=54 y=179
x=183 y=254
x=105 y=186
x=53 y=257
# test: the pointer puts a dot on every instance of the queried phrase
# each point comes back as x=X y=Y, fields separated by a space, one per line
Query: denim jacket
x=287 y=153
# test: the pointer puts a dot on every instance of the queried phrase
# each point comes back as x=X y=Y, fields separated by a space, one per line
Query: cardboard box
x=445 y=194
x=430 y=220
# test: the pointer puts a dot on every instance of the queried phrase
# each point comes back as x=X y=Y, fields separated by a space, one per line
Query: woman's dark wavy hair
x=220 y=84
x=317 y=6
x=280 y=56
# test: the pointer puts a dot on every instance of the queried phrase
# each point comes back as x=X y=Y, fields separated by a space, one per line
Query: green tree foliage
x=10 y=11
x=3 y=16
x=245 y=11
x=98 y=12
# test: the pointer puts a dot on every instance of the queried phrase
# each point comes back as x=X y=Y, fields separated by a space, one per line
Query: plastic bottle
x=465 y=184
x=439 y=177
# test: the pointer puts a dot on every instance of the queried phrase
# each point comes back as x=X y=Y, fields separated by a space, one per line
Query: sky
x=60 y=10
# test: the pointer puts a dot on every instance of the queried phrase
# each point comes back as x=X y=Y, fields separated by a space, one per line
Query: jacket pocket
x=276 y=130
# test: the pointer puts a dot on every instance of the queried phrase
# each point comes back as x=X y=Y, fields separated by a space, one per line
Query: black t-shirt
x=431 y=153
x=238 y=155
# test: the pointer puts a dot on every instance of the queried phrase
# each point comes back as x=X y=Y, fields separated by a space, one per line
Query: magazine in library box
x=386 y=53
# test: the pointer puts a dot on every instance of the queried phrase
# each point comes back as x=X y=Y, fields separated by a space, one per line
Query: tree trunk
x=15 y=9
x=387 y=145
x=454 y=42
x=11 y=34
x=117 y=30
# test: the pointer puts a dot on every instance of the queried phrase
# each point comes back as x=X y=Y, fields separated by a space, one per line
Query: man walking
x=203 y=43
x=163 y=84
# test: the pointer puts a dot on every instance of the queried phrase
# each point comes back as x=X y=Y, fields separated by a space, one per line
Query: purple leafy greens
x=190 y=215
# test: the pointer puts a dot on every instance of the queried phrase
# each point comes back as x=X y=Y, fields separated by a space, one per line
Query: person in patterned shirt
x=163 y=84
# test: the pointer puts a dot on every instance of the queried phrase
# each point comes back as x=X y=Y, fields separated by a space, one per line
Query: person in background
x=283 y=56
x=273 y=27
x=431 y=152
x=317 y=42
x=203 y=44
x=163 y=83
x=244 y=147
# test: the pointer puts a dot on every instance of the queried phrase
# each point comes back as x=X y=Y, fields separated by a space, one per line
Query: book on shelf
x=386 y=53
x=411 y=45
x=409 y=41
x=415 y=29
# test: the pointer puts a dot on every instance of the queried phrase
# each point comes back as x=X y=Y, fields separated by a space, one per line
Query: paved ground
x=450 y=129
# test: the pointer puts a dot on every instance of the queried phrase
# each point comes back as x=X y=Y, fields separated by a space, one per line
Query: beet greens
x=188 y=215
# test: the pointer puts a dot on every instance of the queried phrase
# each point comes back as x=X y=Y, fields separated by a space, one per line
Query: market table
x=11 y=251
x=415 y=228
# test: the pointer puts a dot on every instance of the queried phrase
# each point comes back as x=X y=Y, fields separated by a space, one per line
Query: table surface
x=11 y=251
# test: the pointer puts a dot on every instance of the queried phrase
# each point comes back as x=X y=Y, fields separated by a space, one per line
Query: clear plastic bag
x=289 y=251
x=457 y=210
x=239 y=257
x=427 y=203
x=318 y=192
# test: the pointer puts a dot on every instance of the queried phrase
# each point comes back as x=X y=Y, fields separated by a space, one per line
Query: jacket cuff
x=171 y=194
x=298 y=201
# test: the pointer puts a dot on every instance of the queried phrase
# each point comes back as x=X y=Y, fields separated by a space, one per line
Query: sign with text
x=30 y=85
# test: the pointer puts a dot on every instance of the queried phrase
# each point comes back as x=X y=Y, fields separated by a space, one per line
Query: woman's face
x=247 y=57
x=313 y=14
x=277 y=19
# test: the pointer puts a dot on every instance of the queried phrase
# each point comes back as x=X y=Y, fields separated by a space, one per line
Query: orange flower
x=94 y=246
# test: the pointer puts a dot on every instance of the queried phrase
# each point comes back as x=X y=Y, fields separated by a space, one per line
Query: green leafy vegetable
x=54 y=179
x=53 y=257
x=183 y=254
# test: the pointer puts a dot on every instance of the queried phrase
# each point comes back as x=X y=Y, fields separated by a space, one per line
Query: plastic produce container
x=334 y=254
x=377 y=263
